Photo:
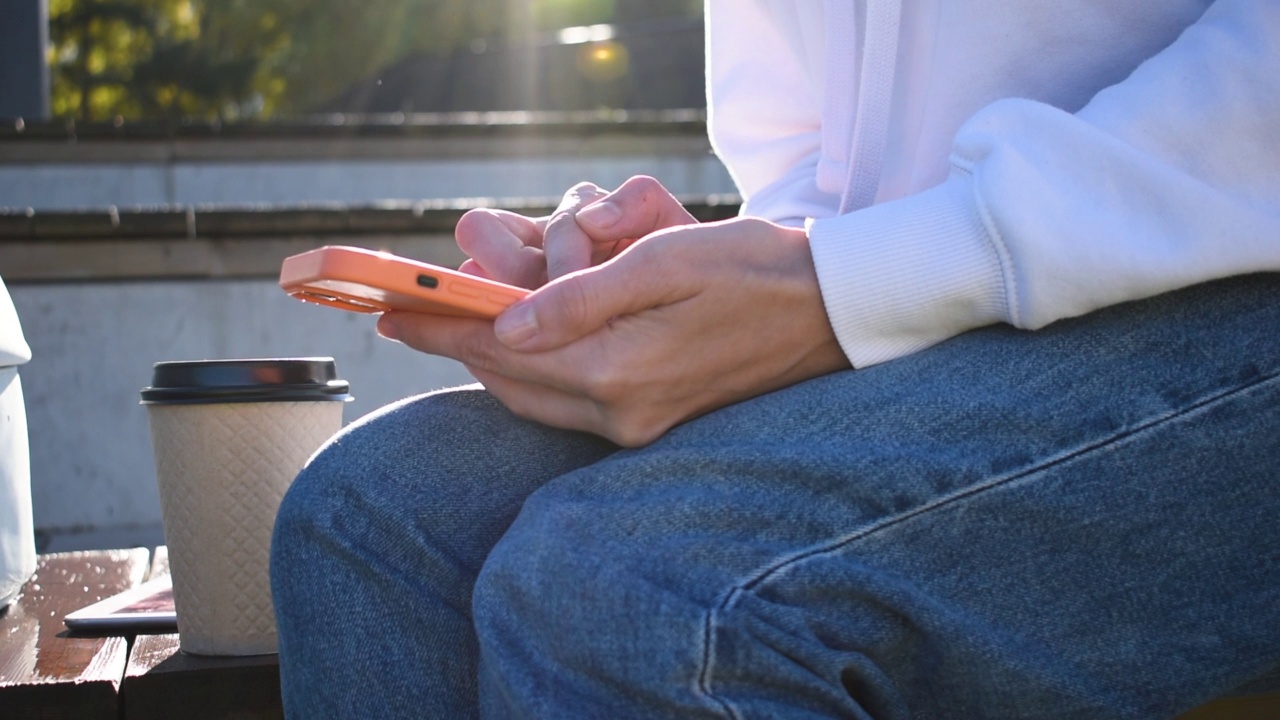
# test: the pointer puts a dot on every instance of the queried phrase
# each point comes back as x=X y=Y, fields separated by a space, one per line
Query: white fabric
x=1042 y=159
x=13 y=346
x=874 y=104
x=17 y=536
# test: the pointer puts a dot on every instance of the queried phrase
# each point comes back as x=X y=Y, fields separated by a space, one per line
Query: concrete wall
x=93 y=480
x=46 y=187
x=48 y=175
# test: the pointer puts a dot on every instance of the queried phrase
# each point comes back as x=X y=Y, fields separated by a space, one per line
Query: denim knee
x=336 y=496
x=529 y=592
x=365 y=476
x=306 y=516
x=568 y=627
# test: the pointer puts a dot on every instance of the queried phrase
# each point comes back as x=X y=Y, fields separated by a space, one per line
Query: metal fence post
x=24 y=68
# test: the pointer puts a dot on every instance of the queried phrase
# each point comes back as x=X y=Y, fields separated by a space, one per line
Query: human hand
x=685 y=321
x=590 y=226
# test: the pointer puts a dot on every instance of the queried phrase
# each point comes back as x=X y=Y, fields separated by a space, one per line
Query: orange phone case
x=368 y=281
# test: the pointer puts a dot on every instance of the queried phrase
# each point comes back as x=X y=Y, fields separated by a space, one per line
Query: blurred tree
x=256 y=58
x=144 y=58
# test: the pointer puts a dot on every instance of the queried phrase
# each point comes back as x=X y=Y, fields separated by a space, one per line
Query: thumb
x=576 y=305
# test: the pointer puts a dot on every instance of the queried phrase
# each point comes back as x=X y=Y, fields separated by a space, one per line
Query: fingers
x=472 y=343
x=503 y=246
x=566 y=247
x=573 y=306
x=640 y=206
x=499 y=369
x=541 y=403
x=572 y=411
x=508 y=247
x=588 y=228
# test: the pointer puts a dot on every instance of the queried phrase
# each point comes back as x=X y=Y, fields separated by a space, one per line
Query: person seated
x=973 y=413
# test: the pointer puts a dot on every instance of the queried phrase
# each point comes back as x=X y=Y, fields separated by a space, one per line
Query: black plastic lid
x=189 y=382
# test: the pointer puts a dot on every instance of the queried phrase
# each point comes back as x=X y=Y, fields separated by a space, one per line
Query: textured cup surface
x=222 y=469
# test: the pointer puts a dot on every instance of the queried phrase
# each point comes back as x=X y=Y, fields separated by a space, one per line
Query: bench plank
x=47 y=672
x=1247 y=707
x=161 y=682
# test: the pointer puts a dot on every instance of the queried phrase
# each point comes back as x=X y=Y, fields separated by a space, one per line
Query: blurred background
x=259 y=59
x=159 y=158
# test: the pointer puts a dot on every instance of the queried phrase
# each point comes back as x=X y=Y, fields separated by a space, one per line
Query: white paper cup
x=229 y=436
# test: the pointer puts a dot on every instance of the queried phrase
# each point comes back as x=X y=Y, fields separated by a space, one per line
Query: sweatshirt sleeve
x=1167 y=179
x=773 y=137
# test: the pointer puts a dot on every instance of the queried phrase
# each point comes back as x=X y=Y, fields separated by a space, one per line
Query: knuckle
x=580 y=194
x=560 y=220
x=645 y=188
x=653 y=200
x=643 y=183
x=584 y=187
x=562 y=242
x=630 y=431
x=475 y=219
x=472 y=227
x=602 y=384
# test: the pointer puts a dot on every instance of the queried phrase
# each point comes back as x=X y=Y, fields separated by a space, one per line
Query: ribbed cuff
x=901 y=276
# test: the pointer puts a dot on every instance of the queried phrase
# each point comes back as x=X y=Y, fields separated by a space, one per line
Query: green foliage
x=239 y=59
x=149 y=58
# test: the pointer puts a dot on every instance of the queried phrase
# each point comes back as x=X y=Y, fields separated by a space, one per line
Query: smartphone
x=369 y=281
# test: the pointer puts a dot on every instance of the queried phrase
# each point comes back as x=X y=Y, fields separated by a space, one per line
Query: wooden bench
x=49 y=673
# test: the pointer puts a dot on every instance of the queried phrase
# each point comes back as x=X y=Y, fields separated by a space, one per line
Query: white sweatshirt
x=965 y=162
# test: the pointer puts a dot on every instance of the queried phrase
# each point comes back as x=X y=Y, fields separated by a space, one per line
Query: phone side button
x=464 y=290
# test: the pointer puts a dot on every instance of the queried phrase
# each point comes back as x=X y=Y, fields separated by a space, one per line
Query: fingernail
x=600 y=215
x=388 y=329
x=516 y=325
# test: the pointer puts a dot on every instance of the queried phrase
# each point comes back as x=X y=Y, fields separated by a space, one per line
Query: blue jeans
x=1079 y=522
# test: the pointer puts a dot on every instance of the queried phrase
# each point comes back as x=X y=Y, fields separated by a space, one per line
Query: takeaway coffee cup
x=229 y=436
